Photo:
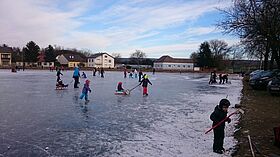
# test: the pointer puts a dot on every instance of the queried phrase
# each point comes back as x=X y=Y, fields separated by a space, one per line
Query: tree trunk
x=265 y=63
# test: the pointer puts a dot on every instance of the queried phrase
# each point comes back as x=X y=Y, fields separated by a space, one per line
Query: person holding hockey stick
x=219 y=114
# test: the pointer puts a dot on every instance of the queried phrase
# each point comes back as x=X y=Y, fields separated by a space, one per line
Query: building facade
x=101 y=60
x=169 y=63
x=71 y=60
x=6 y=56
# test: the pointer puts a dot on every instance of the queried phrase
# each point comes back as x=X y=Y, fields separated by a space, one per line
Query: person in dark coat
x=94 y=71
x=144 y=83
x=58 y=75
x=218 y=115
x=119 y=87
x=140 y=75
x=102 y=72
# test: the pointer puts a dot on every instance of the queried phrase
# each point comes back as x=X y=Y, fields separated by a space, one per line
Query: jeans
x=84 y=95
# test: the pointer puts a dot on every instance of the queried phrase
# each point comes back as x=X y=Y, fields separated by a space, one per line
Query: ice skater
x=85 y=91
x=219 y=114
x=84 y=75
x=144 y=83
x=58 y=73
x=61 y=85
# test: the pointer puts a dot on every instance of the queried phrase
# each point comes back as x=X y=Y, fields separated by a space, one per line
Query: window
x=178 y=65
x=110 y=61
x=189 y=66
x=169 y=65
x=105 y=56
x=184 y=66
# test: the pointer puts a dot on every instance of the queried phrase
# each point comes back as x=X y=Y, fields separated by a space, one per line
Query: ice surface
x=37 y=120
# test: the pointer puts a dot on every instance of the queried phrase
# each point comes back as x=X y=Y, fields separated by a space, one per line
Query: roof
x=169 y=59
x=99 y=54
x=74 y=57
x=6 y=49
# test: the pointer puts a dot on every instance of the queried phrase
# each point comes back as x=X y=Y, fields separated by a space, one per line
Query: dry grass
x=262 y=113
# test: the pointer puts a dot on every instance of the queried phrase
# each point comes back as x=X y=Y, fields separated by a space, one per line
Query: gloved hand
x=228 y=120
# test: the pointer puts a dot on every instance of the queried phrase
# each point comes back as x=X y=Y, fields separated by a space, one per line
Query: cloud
x=123 y=25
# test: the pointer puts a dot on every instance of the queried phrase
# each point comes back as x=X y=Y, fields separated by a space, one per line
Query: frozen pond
x=37 y=120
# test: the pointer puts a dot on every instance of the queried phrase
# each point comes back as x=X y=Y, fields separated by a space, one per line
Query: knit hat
x=224 y=102
x=87 y=81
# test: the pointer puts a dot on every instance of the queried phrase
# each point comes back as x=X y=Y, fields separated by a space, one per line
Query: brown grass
x=262 y=113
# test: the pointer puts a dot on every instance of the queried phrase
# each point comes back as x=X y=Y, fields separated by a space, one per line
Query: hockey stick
x=237 y=111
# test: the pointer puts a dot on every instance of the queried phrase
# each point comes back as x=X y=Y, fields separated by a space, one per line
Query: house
x=169 y=63
x=101 y=60
x=42 y=63
x=6 y=56
x=71 y=60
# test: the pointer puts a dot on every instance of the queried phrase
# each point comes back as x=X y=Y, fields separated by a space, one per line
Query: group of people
x=100 y=72
x=218 y=115
x=223 y=78
x=144 y=82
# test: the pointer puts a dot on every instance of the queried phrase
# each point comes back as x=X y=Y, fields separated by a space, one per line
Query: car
x=255 y=72
x=261 y=79
x=273 y=86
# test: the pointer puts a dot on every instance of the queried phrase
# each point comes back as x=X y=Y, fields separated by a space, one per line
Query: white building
x=101 y=60
x=169 y=63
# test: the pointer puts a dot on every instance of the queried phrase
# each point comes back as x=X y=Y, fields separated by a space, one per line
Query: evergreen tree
x=49 y=54
x=31 y=52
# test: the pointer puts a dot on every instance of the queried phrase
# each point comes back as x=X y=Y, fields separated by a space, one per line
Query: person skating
x=102 y=72
x=140 y=75
x=144 y=83
x=85 y=90
x=58 y=73
x=220 y=113
x=94 y=71
x=76 y=76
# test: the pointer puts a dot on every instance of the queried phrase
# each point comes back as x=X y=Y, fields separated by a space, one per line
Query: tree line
x=257 y=23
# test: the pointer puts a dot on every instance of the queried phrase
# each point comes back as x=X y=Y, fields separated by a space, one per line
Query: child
x=144 y=83
x=84 y=75
x=60 y=85
x=58 y=75
x=120 y=88
x=85 y=90
x=218 y=115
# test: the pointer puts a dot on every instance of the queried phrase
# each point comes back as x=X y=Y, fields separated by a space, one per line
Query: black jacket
x=217 y=116
x=145 y=82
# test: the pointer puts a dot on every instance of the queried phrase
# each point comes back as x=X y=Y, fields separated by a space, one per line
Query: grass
x=262 y=113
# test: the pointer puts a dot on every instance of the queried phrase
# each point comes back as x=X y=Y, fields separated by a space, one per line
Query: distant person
x=102 y=72
x=225 y=78
x=154 y=71
x=220 y=78
x=119 y=87
x=130 y=75
x=76 y=76
x=144 y=83
x=219 y=114
x=135 y=73
x=84 y=75
x=58 y=73
x=85 y=91
x=124 y=73
x=140 y=75
x=94 y=71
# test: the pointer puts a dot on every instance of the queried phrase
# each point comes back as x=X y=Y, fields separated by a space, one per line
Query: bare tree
x=138 y=56
x=116 y=55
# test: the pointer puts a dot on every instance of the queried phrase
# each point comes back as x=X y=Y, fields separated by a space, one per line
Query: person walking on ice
x=144 y=83
x=85 y=91
x=219 y=114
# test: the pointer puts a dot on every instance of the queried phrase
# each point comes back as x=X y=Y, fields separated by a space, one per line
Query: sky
x=156 y=27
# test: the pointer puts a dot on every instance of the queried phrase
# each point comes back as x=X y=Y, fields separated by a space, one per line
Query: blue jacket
x=76 y=72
